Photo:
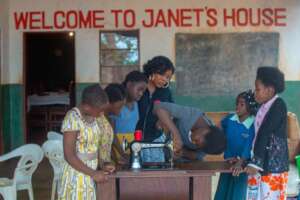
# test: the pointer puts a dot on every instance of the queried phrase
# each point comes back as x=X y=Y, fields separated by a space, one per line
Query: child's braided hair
x=251 y=104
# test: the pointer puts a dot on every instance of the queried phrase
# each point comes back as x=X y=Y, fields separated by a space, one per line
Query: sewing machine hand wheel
x=125 y=145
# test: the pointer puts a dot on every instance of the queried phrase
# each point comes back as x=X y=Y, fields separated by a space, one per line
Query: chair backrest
x=31 y=155
x=52 y=135
x=53 y=150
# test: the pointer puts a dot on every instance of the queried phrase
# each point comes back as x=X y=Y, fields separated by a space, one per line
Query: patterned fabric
x=92 y=138
x=270 y=152
x=276 y=158
x=268 y=187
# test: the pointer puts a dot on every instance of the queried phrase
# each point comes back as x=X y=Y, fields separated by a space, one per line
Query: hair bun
x=253 y=105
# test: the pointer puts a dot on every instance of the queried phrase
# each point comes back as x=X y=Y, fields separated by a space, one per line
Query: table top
x=49 y=98
x=195 y=168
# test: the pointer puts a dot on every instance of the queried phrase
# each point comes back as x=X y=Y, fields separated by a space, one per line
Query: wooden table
x=186 y=181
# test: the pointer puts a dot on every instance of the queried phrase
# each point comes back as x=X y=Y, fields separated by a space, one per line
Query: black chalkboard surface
x=222 y=64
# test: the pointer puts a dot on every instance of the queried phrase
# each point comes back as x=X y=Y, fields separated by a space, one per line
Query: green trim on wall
x=291 y=96
x=209 y=103
x=12 y=115
x=12 y=105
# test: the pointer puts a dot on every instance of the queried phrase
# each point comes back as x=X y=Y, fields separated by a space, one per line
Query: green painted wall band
x=12 y=107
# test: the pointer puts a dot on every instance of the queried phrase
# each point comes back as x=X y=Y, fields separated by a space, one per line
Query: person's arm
x=224 y=123
x=237 y=167
x=165 y=111
x=177 y=111
x=165 y=118
x=117 y=145
x=117 y=149
x=71 y=157
x=189 y=154
x=105 y=145
x=123 y=156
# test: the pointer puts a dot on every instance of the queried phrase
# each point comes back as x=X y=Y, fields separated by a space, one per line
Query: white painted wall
x=4 y=39
x=153 y=41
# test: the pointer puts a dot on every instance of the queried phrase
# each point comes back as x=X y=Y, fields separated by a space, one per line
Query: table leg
x=201 y=187
x=107 y=190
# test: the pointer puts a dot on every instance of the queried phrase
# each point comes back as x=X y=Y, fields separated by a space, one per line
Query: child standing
x=124 y=123
x=87 y=144
x=116 y=97
x=269 y=165
x=159 y=71
x=239 y=131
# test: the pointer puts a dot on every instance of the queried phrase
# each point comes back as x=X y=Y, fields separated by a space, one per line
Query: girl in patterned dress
x=87 y=145
x=269 y=165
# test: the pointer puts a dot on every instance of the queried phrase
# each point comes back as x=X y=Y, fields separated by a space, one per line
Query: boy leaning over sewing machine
x=193 y=132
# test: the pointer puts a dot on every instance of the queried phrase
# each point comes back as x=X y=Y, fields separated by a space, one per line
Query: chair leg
x=9 y=194
x=30 y=192
x=54 y=184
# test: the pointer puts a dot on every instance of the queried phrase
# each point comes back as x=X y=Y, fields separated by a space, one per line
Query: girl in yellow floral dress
x=87 y=145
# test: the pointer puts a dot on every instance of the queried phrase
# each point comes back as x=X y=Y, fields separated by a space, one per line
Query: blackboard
x=222 y=64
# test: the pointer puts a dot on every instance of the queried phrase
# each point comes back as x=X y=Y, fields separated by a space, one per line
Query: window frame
x=130 y=67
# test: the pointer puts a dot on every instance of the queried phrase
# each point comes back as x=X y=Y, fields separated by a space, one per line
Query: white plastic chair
x=293 y=184
x=31 y=155
x=52 y=135
x=53 y=150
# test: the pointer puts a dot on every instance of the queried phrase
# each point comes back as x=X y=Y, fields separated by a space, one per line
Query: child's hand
x=124 y=159
x=177 y=144
x=109 y=168
x=100 y=177
x=232 y=160
x=160 y=126
x=237 y=168
x=251 y=170
x=177 y=154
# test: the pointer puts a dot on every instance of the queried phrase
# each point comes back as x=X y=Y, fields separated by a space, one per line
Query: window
x=119 y=54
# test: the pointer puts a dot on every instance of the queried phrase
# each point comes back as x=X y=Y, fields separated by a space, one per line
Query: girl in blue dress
x=239 y=130
x=125 y=121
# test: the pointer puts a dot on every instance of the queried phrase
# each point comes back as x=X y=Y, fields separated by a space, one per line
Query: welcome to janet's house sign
x=150 y=18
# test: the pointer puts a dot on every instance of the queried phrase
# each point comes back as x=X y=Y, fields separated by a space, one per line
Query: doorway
x=49 y=81
x=1 y=135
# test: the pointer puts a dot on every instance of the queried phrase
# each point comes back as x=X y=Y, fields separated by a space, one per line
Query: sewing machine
x=135 y=154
